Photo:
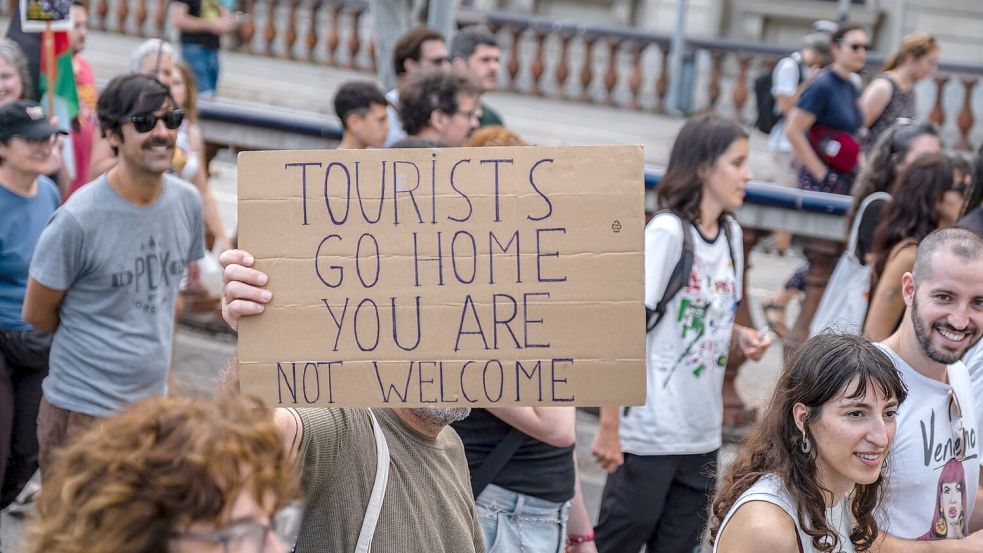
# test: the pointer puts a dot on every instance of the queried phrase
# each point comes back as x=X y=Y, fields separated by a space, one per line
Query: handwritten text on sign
x=489 y=276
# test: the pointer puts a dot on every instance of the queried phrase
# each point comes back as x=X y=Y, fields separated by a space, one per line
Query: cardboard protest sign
x=443 y=277
x=36 y=15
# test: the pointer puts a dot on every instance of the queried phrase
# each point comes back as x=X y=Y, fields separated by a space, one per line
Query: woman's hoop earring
x=805 y=445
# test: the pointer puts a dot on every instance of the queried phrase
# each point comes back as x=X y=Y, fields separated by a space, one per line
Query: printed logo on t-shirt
x=949 y=517
x=151 y=276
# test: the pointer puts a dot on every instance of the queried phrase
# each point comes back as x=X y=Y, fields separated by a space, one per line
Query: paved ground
x=199 y=357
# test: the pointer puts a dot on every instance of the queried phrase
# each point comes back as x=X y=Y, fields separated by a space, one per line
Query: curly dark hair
x=130 y=482
x=880 y=173
x=701 y=141
x=818 y=371
x=424 y=93
x=912 y=212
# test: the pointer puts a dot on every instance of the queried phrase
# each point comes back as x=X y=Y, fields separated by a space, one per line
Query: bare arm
x=607 y=442
x=758 y=526
x=874 y=99
x=887 y=304
x=579 y=523
x=799 y=122
x=187 y=23
x=785 y=103
x=976 y=520
x=886 y=543
x=213 y=221
x=555 y=426
x=41 y=306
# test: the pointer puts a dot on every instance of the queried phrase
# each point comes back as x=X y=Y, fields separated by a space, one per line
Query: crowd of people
x=869 y=440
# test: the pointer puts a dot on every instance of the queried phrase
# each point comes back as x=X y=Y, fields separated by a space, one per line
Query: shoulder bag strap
x=496 y=461
x=378 y=489
x=855 y=228
x=679 y=276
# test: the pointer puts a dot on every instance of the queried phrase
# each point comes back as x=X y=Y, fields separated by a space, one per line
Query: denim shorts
x=515 y=522
x=203 y=62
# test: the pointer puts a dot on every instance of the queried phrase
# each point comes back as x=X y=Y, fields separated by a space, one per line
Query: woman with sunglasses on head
x=181 y=475
x=823 y=126
x=925 y=200
x=891 y=95
x=808 y=478
x=27 y=200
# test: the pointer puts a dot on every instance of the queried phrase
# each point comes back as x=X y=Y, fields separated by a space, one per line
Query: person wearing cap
x=108 y=267
x=27 y=200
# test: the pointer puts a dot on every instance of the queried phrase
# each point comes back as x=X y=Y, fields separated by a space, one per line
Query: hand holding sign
x=466 y=277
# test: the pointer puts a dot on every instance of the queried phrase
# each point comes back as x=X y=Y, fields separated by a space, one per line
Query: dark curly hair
x=424 y=93
x=912 y=212
x=817 y=372
x=701 y=141
x=131 y=481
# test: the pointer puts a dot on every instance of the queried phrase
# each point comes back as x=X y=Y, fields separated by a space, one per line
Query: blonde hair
x=914 y=46
x=11 y=52
x=131 y=481
x=190 y=91
x=495 y=135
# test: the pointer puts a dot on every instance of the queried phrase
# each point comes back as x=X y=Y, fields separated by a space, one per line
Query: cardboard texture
x=446 y=277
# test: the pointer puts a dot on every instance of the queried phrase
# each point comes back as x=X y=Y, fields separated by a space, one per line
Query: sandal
x=775 y=316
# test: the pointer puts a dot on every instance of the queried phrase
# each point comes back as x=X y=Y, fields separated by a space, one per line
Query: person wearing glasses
x=440 y=105
x=419 y=49
x=937 y=427
x=182 y=475
x=107 y=268
x=27 y=200
x=925 y=199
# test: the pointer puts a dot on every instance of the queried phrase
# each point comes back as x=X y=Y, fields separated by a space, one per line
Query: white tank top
x=770 y=489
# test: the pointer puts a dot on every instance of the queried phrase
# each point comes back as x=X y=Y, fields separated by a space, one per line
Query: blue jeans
x=514 y=522
x=204 y=64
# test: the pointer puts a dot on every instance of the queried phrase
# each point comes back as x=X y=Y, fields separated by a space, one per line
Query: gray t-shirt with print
x=121 y=267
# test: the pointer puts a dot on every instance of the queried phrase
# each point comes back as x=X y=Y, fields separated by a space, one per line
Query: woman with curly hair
x=172 y=475
x=925 y=200
x=808 y=477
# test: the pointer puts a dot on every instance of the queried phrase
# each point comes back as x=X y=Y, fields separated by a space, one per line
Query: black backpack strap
x=496 y=461
x=679 y=277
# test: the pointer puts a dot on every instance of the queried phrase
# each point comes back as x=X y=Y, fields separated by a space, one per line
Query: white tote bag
x=844 y=303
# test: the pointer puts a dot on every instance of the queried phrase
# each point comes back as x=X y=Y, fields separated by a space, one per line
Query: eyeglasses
x=856 y=47
x=145 y=122
x=959 y=433
x=252 y=537
x=960 y=188
x=36 y=143
x=469 y=115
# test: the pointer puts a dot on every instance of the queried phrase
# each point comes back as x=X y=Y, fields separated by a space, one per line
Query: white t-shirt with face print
x=933 y=468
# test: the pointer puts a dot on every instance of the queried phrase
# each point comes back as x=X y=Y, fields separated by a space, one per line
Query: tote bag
x=844 y=303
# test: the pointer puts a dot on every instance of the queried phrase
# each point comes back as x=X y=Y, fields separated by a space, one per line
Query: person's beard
x=442 y=416
x=924 y=336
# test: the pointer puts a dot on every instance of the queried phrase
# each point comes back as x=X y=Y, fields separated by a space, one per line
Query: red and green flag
x=65 y=91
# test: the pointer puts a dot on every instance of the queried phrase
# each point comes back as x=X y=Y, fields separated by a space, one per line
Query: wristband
x=580 y=538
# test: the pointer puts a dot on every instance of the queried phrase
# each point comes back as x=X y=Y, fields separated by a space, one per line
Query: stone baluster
x=662 y=83
x=736 y=413
x=937 y=116
x=141 y=17
x=739 y=95
x=312 y=37
x=635 y=80
x=965 y=120
x=587 y=71
x=512 y=68
x=563 y=65
x=270 y=32
x=355 y=39
x=160 y=16
x=102 y=9
x=713 y=89
x=247 y=29
x=291 y=32
x=611 y=75
x=822 y=256
x=371 y=53
x=334 y=37
x=538 y=65
x=122 y=12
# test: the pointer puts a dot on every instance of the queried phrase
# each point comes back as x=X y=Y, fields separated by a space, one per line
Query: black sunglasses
x=145 y=122
x=859 y=47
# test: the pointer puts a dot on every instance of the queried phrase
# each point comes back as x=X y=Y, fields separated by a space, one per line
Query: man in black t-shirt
x=202 y=24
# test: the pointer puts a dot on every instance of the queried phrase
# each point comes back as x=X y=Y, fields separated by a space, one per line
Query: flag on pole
x=65 y=91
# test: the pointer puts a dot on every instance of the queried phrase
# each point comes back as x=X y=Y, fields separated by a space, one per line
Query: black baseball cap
x=25 y=119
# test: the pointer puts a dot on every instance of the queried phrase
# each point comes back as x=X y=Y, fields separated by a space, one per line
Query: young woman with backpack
x=662 y=456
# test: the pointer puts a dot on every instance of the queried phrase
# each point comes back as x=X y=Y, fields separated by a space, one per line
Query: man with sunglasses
x=936 y=428
x=107 y=268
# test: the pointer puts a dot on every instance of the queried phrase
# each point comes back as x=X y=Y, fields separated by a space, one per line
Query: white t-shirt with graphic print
x=930 y=491
x=686 y=353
